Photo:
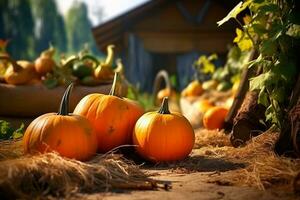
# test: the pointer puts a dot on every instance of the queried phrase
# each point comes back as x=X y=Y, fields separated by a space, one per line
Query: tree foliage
x=17 y=25
x=50 y=27
x=79 y=28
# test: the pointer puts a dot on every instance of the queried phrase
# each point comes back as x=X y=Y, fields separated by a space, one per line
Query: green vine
x=273 y=30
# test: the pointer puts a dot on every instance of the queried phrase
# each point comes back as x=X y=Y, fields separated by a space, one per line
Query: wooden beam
x=179 y=42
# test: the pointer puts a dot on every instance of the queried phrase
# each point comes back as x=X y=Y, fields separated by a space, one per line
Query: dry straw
x=51 y=175
x=263 y=168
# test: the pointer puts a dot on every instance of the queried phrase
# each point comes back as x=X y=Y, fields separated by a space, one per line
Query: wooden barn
x=167 y=34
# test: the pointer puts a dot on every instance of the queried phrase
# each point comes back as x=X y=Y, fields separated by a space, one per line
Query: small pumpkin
x=70 y=135
x=214 y=118
x=193 y=89
x=163 y=136
x=45 y=63
x=166 y=92
x=112 y=117
x=18 y=73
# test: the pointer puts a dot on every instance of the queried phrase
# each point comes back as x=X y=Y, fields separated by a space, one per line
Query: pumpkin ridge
x=91 y=105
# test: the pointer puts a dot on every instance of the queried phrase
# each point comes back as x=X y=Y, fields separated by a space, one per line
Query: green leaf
x=19 y=132
x=5 y=130
x=257 y=83
x=278 y=94
x=268 y=48
x=285 y=70
x=263 y=97
x=205 y=65
x=269 y=113
x=235 y=11
x=242 y=40
x=269 y=8
x=263 y=80
x=258 y=1
x=255 y=62
x=259 y=29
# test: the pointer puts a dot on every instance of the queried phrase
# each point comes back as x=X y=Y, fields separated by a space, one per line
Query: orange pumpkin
x=214 y=118
x=18 y=73
x=193 y=89
x=70 y=135
x=45 y=62
x=112 y=117
x=163 y=136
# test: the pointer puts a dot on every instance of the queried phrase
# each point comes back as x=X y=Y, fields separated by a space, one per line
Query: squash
x=112 y=117
x=70 y=135
x=166 y=92
x=229 y=102
x=204 y=105
x=18 y=73
x=193 y=89
x=163 y=136
x=45 y=63
x=210 y=85
x=214 y=118
x=105 y=71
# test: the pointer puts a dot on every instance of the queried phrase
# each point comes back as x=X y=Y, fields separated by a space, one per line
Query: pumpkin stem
x=164 y=108
x=114 y=87
x=64 y=104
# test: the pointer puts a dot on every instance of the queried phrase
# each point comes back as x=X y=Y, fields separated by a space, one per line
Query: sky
x=110 y=8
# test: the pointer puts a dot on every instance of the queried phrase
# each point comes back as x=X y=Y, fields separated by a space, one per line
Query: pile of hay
x=52 y=175
x=10 y=149
x=262 y=167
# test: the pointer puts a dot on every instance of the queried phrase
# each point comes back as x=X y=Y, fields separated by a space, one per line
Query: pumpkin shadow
x=197 y=164
x=194 y=163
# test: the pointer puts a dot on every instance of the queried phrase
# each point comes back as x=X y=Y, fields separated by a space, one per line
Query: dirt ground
x=215 y=170
x=194 y=185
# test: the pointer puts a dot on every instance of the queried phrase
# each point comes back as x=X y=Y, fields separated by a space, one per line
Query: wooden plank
x=160 y=42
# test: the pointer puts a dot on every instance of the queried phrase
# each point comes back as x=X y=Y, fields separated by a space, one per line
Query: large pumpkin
x=70 y=135
x=163 y=136
x=113 y=117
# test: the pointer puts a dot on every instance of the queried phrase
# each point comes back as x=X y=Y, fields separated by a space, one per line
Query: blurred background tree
x=49 y=26
x=79 y=28
x=31 y=25
x=17 y=25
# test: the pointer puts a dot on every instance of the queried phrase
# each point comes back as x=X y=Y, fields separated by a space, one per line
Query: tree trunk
x=247 y=123
x=240 y=95
x=288 y=142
